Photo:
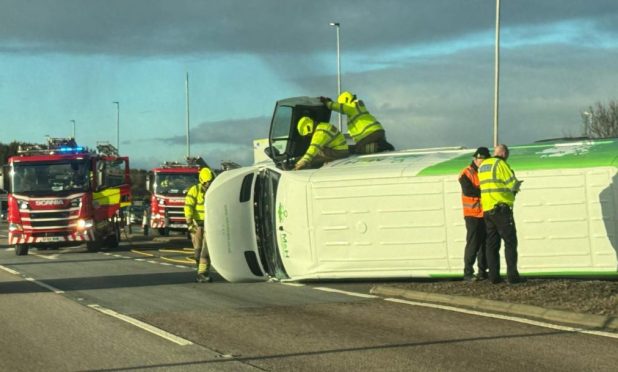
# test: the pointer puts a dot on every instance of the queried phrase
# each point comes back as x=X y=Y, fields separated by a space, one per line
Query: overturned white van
x=399 y=214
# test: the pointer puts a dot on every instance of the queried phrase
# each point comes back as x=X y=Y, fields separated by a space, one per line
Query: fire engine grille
x=61 y=214
x=50 y=219
x=175 y=212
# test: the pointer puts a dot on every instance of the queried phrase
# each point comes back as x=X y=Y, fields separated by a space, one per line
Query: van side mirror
x=271 y=152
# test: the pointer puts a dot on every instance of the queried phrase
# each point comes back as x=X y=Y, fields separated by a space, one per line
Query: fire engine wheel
x=113 y=240
x=163 y=231
x=93 y=246
x=21 y=249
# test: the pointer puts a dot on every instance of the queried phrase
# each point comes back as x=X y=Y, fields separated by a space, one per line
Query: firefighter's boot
x=203 y=273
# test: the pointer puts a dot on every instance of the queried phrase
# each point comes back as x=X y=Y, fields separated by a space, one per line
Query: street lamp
x=590 y=116
x=497 y=73
x=73 y=121
x=117 y=125
x=337 y=27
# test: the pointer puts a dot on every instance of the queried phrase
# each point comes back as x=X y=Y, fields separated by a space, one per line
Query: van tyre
x=21 y=249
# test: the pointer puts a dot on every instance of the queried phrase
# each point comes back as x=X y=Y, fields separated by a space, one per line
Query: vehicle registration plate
x=51 y=239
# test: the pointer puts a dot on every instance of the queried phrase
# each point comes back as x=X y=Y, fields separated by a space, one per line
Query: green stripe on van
x=555 y=155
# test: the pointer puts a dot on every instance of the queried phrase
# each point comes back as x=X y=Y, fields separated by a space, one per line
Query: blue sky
x=424 y=68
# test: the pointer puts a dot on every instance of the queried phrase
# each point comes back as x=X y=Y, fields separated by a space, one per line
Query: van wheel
x=21 y=249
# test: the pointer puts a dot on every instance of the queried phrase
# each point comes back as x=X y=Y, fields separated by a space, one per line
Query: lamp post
x=117 y=125
x=337 y=27
x=589 y=116
x=497 y=73
x=187 y=113
x=73 y=121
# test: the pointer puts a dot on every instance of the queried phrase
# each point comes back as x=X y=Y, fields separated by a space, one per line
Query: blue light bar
x=71 y=149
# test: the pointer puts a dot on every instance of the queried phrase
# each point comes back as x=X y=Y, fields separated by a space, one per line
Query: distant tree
x=6 y=151
x=601 y=121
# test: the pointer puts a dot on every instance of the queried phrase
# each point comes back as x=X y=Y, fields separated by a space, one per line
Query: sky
x=424 y=68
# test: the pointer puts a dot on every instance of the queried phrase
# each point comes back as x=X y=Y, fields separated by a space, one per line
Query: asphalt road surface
x=138 y=308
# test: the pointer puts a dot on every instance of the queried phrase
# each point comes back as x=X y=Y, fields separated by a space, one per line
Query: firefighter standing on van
x=365 y=129
x=327 y=143
x=498 y=189
x=194 y=214
x=473 y=216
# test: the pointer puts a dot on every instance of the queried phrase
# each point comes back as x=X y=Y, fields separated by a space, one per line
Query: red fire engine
x=62 y=194
x=169 y=186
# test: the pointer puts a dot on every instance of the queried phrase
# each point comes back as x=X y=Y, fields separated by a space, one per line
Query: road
x=137 y=308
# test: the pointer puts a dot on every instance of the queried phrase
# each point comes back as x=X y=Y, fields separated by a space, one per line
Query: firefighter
x=473 y=217
x=327 y=143
x=365 y=129
x=194 y=214
x=498 y=188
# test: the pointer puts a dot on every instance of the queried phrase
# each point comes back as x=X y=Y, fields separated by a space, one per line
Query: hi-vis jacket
x=326 y=136
x=498 y=183
x=194 y=203
x=360 y=122
x=470 y=192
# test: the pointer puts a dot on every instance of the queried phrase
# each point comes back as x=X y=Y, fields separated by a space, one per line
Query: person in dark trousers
x=365 y=129
x=498 y=189
x=195 y=216
x=473 y=216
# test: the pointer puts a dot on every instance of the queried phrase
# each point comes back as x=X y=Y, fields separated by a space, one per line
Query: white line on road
x=9 y=270
x=44 y=285
x=48 y=257
x=505 y=317
x=145 y=326
x=41 y=284
x=293 y=284
x=325 y=289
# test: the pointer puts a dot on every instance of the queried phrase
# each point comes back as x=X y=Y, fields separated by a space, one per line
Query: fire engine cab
x=169 y=185
x=62 y=194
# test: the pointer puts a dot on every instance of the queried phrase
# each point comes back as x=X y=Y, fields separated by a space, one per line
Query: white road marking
x=48 y=257
x=145 y=326
x=44 y=285
x=9 y=270
x=506 y=317
x=293 y=284
x=355 y=294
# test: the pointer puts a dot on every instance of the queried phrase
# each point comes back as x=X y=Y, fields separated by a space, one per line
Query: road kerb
x=522 y=310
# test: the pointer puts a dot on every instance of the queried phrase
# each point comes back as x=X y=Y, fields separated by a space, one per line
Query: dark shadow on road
x=104 y=282
x=249 y=359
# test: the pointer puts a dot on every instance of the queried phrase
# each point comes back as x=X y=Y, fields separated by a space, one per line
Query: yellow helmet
x=346 y=97
x=305 y=126
x=205 y=175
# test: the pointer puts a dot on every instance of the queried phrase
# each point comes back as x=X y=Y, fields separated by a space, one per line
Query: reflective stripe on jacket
x=360 y=122
x=194 y=203
x=497 y=182
x=471 y=201
x=326 y=136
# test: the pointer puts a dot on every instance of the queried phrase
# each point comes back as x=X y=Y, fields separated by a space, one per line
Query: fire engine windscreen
x=40 y=178
x=174 y=183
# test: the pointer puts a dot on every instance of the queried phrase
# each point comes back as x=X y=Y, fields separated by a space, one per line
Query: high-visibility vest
x=497 y=181
x=326 y=136
x=471 y=204
x=360 y=122
x=194 y=203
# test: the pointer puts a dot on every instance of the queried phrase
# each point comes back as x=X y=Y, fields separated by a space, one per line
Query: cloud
x=186 y=27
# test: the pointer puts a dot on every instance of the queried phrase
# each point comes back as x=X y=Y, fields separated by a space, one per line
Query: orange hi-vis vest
x=471 y=204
